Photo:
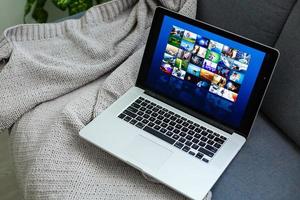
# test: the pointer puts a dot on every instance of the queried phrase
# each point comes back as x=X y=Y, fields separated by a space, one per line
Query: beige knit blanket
x=54 y=79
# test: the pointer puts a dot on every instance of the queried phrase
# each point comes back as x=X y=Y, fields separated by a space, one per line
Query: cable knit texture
x=54 y=79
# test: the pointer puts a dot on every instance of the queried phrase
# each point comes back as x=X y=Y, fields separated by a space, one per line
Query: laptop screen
x=208 y=73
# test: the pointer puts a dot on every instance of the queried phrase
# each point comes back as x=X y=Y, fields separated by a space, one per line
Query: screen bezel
x=259 y=88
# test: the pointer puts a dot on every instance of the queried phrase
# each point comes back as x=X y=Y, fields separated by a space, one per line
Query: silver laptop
x=197 y=94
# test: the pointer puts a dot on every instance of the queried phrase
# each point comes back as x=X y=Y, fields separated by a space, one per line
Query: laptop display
x=207 y=72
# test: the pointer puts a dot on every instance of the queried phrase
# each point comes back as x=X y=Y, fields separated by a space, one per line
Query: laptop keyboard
x=190 y=137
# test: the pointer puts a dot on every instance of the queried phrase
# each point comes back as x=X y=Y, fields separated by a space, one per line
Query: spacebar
x=158 y=134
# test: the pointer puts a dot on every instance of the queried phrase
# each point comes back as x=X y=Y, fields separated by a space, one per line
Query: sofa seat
x=267 y=167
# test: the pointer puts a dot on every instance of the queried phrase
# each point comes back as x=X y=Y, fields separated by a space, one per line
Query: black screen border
x=259 y=88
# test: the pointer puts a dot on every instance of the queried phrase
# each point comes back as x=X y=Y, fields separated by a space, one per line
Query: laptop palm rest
x=148 y=153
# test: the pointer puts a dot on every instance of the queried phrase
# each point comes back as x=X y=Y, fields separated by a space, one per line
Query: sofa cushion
x=260 y=20
x=267 y=21
x=267 y=167
x=282 y=101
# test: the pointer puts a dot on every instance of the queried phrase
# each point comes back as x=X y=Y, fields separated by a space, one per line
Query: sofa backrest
x=275 y=23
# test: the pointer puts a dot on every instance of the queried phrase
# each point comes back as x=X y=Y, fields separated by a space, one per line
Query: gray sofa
x=268 y=166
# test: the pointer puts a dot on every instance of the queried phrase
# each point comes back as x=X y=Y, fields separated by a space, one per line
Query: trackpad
x=147 y=152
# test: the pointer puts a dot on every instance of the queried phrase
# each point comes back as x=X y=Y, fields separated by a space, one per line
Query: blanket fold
x=57 y=79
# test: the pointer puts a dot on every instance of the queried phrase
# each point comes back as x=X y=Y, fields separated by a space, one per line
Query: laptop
x=196 y=97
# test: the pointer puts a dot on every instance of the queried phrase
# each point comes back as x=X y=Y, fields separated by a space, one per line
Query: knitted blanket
x=54 y=79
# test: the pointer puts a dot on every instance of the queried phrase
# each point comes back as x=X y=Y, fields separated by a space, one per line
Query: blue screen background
x=187 y=93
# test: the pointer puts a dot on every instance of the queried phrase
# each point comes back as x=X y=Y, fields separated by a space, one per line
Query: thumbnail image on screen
x=206 y=63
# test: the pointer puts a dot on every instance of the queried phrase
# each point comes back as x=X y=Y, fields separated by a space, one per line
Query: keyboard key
x=204 y=133
x=145 y=121
x=149 y=106
x=152 y=119
x=199 y=155
x=158 y=134
x=140 y=113
x=164 y=125
x=204 y=139
x=139 y=118
x=183 y=118
x=155 y=109
x=153 y=104
x=166 y=120
x=189 y=137
x=210 y=136
x=142 y=108
x=170 y=128
x=206 y=152
x=182 y=134
x=140 y=125
x=186 y=148
x=121 y=115
x=132 y=109
x=175 y=137
x=179 y=121
x=178 y=126
x=194 y=146
x=176 y=131
x=147 y=101
x=178 y=145
x=163 y=130
x=191 y=127
x=196 y=125
x=209 y=131
x=138 y=101
x=161 y=112
x=172 y=123
x=202 y=127
x=148 y=112
x=171 y=113
x=195 y=140
x=205 y=160
x=223 y=138
x=156 y=127
x=190 y=132
x=218 y=140
x=154 y=114
x=182 y=140
x=141 y=98
x=133 y=121
x=217 y=145
x=188 y=143
x=127 y=118
x=210 y=142
x=136 y=105
x=144 y=104
x=146 y=116
x=185 y=124
x=169 y=133
x=202 y=144
x=129 y=113
x=190 y=122
x=167 y=115
x=160 y=117
x=191 y=153
x=151 y=124
x=197 y=135
x=184 y=129
x=210 y=148
x=198 y=130
x=173 y=118
x=158 y=122
x=216 y=134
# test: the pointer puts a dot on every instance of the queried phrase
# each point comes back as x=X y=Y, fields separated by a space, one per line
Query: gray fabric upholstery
x=282 y=101
x=267 y=21
x=268 y=168
x=261 y=20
